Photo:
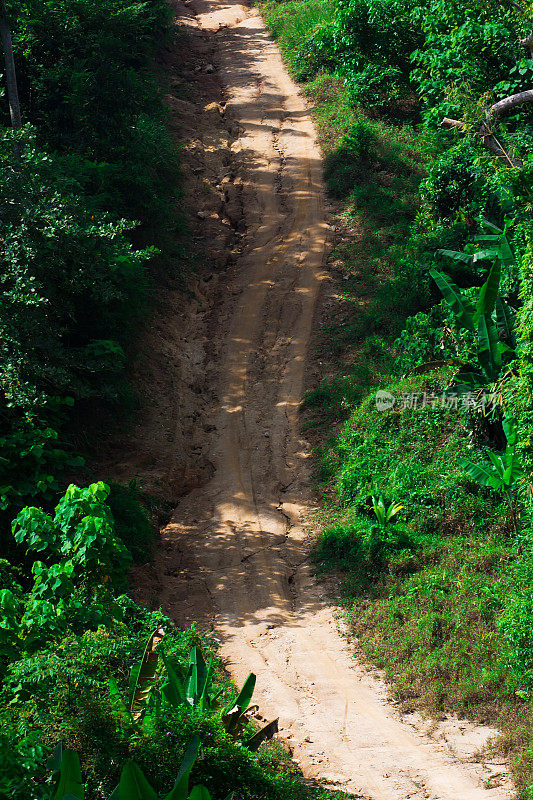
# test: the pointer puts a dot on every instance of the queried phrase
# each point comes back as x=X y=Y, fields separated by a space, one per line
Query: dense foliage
x=430 y=505
x=84 y=211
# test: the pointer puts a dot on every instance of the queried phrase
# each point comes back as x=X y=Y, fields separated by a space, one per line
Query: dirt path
x=234 y=556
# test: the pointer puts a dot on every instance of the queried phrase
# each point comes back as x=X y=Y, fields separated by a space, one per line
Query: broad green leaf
x=513 y=471
x=204 y=701
x=484 y=474
x=199 y=793
x=488 y=224
x=69 y=776
x=133 y=784
x=180 y=790
x=54 y=762
x=505 y=319
x=488 y=293
x=506 y=254
x=197 y=678
x=143 y=674
x=509 y=428
x=466 y=258
x=245 y=695
x=173 y=689
x=486 y=255
x=498 y=462
x=488 y=352
x=189 y=757
x=461 y=307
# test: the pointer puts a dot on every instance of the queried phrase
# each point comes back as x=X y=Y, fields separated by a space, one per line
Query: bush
x=361 y=548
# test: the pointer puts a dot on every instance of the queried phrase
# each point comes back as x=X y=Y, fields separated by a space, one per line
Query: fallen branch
x=484 y=132
x=502 y=106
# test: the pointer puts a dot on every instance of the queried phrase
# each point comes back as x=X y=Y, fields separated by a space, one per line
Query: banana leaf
x=486 y=255
x=255 y=742
x=506 y=254
x=489 y=354
x=483 y=473
x=69 y=774
x=498 y=462
x=174 y=688
x=199 y=793
x=509 y=428
x=488 y=293
x=180 y=790
x=196 y=682
x=466 y=258
x=461 y=307
x=245 y=695
x=204 y=700
x=514 y=471
x=133 y=784
x=143 y=675
x=505 y=320
x=488 y=224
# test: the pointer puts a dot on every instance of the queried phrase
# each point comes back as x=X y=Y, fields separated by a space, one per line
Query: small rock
x=209 y=69
x=202 y=214
x=216 y=107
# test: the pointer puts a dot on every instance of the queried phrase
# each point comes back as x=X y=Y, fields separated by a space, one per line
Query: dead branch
x=483 y=131
x=487 y=138
x=505 y=105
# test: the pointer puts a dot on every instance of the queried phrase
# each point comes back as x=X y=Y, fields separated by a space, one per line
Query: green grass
x=425 y=596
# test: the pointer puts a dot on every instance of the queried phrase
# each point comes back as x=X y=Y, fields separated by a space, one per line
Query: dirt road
x=235 y=553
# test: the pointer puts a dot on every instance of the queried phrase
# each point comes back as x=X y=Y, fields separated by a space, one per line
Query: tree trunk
x=11 y=75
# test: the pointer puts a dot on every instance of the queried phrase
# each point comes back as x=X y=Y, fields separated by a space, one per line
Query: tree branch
x=502 y=106
x=484 y=132
x=528 y=43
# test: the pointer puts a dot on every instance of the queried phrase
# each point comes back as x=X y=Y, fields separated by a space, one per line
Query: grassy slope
x=424 y=606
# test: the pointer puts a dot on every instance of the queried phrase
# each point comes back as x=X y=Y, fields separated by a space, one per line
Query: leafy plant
x=80 y=562
x=384 y=514
x=503 y=471
x=133 y=784
x=489 y=318
x=195 y=691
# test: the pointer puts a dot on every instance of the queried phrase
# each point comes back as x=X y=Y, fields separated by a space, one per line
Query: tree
x=11 y=75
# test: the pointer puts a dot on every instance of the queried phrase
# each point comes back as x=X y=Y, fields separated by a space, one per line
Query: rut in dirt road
x=234 y=556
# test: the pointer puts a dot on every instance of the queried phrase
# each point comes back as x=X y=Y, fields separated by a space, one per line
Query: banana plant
x=194 y=691
x=133 y=784
x=142 y=681
x=502 y=471
x=384 y=514
x=191 y=691
x=490 y=318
